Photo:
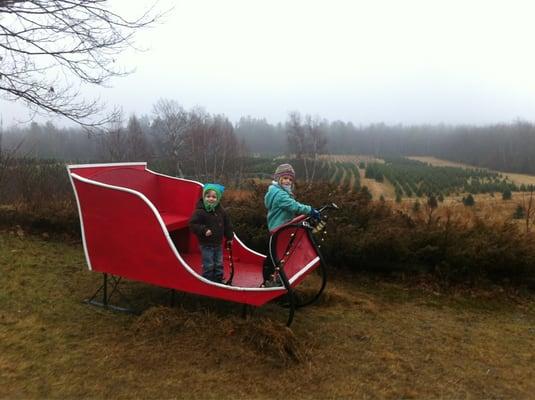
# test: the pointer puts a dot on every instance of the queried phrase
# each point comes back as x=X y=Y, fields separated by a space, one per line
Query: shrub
x=432 y=201
x=365 y=193
x=363 y=235
x=371 y=236
x=469 y=200
x=519 y=212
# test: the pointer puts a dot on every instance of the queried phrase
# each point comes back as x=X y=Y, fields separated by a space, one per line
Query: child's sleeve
x=287 y=202
x=196 y=224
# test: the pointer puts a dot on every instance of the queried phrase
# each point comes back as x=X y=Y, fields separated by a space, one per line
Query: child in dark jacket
x=210 y=223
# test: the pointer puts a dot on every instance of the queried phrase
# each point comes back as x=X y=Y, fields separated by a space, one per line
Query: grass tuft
x=273 y=339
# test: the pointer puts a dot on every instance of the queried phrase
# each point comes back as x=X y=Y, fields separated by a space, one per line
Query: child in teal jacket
x=280 y=202
x=282 y=208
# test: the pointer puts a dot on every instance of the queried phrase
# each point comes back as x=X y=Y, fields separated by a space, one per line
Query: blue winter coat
x=282 y=207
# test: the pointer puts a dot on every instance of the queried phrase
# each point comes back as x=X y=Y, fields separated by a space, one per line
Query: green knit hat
x=218 y=189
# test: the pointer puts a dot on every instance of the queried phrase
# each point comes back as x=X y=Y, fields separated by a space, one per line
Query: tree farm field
x=364 y=339
x=489 y=206
x=517 y=178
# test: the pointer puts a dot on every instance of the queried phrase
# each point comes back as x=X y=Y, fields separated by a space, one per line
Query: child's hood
x=216 y=187
x=218 y=190
x=273 y=192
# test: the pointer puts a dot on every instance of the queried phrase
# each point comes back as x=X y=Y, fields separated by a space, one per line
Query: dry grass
x=351 y=158
x=238 y=195
x=365 y=339
x=487 y=207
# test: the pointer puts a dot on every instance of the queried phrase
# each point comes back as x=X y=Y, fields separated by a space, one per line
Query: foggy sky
x=410 y=62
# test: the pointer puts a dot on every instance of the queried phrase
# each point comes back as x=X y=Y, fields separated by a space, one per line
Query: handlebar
x=331 y=206
x=318 y=225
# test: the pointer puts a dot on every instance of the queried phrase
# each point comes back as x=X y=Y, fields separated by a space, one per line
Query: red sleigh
x=134 y=225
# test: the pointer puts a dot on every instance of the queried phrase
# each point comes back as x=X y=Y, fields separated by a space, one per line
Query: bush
x=432 y=201
x=371 y=236
x=363 y=235
x=469 y=200
x=519 y=212
x=365 y=193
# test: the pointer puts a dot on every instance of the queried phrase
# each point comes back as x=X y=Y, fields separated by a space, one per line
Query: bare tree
x=197 y=142
x=171 y=125
x=297 y=138
x=224 y=145
x=528 y=204
x=307 y=140
x=7 y=156
x=46 y=45
x=136 y=142
x=114 y=141
x=315 y=134
x=213 y=147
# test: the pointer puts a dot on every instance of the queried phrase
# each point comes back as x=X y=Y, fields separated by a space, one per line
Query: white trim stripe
x=81 y=221
x=126 y=164
x=304 y=270
x=174 y=177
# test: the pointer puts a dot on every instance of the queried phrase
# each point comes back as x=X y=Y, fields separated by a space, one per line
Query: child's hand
x=208 y=233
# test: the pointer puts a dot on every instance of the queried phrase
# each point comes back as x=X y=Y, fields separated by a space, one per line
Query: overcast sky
x=365 y=61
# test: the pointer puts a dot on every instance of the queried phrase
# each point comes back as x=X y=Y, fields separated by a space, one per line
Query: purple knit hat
x=284 y=170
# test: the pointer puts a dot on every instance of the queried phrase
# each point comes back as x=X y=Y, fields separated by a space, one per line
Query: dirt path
x=352 y=180
x=335 y=173
x=377 y=189
x=342 y=184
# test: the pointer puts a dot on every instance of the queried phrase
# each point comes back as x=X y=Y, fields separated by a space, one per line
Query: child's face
x=211 y=197
x=286 y=180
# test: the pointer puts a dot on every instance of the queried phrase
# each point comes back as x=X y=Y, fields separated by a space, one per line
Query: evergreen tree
x=365 y=192
x=519 y=212
x=432 y=201
x=469 y=200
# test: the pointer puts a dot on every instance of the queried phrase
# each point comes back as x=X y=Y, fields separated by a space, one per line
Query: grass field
x=365 y=339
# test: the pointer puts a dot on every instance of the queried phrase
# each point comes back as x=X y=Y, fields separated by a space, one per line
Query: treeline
x=168 y=132
x=504 y=147
x=186 y=143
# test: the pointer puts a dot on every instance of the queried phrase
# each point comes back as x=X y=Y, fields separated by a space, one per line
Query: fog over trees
x=210 y=142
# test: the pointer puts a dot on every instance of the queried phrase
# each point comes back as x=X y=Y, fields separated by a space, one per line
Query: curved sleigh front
x=135 y=225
